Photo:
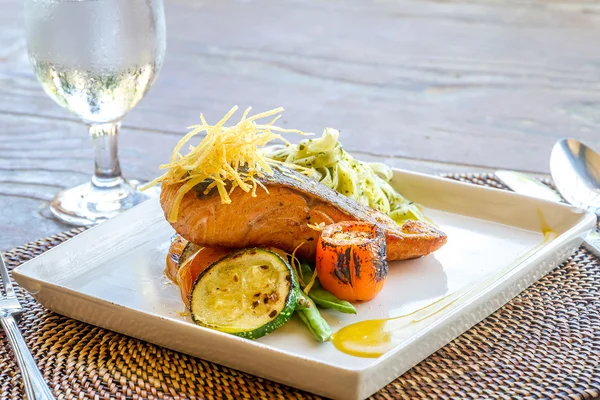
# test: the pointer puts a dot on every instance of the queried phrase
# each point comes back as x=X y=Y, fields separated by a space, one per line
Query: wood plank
x=492 y=84
x=479 y=83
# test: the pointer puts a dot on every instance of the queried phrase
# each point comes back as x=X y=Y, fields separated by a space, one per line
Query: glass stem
x=107 y=171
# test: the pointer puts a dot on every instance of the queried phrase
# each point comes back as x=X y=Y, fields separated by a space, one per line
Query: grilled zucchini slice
x=249 y=293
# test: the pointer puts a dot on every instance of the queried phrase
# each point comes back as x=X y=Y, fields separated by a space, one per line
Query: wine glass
x=97 y=59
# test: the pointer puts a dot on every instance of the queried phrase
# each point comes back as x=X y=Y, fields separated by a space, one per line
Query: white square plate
x=112 y=276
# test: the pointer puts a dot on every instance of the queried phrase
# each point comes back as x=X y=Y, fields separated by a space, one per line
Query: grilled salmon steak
x=281 y=217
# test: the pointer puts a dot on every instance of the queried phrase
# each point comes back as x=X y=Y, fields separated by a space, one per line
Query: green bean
x=306 y=272
x=311 y=316
x=327 y=300
x=324 y=298
x=301 y=302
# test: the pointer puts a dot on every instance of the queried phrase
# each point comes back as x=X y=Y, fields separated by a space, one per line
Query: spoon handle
x=592 y=242
x=524 y=184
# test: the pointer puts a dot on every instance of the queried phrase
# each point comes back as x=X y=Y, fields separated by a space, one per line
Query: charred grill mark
x=380 y=261
x=381 y=269
x=341 y=270
x=357 y=264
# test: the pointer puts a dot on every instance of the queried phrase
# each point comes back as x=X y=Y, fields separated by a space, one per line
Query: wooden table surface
x=429 y=85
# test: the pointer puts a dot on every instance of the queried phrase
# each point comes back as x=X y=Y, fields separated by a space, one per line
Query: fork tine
x=8 y=287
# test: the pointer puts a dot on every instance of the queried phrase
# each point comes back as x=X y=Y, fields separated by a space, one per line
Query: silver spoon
x=525 y=184
x=575 y=169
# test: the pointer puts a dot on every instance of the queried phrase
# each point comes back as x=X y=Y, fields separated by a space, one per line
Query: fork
x=34 y=383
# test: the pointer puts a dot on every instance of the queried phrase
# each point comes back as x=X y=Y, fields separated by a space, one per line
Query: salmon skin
x=281 y=217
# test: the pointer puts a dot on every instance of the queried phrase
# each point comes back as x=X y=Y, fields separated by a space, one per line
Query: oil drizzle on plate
x=544 y=227
x=373 y=338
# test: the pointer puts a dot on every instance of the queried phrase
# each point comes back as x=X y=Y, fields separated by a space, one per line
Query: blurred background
x=428 y=85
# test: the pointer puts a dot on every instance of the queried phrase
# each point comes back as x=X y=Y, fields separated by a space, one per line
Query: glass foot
x=89 y=204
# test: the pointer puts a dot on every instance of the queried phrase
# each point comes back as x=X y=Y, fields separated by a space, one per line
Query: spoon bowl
x=575 y=169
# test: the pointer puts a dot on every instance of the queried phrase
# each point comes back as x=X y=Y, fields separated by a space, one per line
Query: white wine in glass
x=97 y=59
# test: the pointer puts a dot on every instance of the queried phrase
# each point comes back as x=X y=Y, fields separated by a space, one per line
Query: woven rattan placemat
x=545 y=343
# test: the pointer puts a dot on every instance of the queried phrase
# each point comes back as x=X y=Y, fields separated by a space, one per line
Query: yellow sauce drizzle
x=544 y=227
x=373 y=338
